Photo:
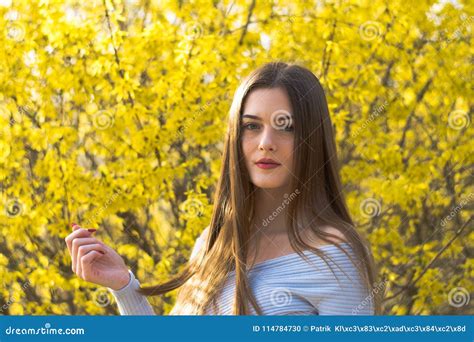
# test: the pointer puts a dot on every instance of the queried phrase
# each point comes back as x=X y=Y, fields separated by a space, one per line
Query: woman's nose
x=267 y=140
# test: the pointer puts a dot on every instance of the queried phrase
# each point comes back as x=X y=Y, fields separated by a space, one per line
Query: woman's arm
x=130 y=302
x=341 y=293
x=95 y=262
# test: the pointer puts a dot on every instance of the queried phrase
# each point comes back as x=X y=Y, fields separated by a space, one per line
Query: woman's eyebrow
x=250 y=116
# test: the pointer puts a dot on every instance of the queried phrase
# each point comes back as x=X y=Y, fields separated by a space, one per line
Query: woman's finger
x=76 y=243
x=88 y=260
x=75 y=226
x=79 y=232
x=83 y=250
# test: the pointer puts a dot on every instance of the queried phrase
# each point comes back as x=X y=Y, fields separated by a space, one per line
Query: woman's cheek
x=247 y=152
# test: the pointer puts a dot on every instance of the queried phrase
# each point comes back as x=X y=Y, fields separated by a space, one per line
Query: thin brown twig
x=117 y=61
x=427 y=267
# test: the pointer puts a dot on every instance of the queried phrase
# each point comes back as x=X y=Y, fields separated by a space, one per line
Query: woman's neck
x=271 y=208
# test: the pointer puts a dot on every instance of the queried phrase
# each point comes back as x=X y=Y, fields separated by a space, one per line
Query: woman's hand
x=94 y=261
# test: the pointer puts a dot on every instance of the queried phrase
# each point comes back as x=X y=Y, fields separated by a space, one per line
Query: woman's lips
x=267 y=165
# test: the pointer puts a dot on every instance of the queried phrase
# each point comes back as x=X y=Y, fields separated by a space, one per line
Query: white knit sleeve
x=129 y=301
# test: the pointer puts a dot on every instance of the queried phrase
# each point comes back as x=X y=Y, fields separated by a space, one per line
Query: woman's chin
x=267 y=185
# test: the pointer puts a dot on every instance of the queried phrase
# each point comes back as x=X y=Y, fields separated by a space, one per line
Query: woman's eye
x=250 y=126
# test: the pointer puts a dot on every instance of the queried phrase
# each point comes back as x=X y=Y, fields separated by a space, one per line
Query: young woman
x=281 y=240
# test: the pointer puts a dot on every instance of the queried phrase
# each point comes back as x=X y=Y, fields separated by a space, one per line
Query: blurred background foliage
x=113 y=113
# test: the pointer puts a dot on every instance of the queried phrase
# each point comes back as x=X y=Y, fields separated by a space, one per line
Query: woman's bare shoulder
x=313 y=240
x=204 y=233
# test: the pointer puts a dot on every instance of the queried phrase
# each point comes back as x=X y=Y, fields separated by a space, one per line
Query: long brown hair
x=320 y=201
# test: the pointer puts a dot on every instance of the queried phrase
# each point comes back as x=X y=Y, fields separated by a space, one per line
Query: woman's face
x=267 y=132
